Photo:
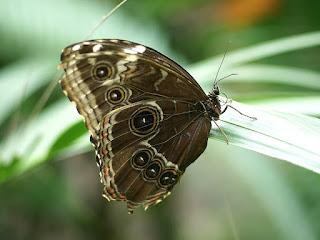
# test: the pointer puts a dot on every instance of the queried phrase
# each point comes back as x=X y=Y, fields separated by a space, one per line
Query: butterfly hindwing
x=146 y=146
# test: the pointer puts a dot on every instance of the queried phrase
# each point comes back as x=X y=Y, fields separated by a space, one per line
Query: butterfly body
x=148 y=118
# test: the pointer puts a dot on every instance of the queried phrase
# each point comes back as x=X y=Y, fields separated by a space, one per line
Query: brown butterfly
x=148 y=118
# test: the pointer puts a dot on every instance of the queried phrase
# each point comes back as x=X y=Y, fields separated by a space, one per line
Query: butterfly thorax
x=213 y=106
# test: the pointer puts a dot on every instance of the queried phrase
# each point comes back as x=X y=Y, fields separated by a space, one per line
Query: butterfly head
x=216 y=90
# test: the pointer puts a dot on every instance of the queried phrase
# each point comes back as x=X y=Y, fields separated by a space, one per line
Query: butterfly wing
x=145 y=147
x=102 y=75
x=146 y=115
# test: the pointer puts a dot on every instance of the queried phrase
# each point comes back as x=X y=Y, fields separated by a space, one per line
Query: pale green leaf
x=287 y=136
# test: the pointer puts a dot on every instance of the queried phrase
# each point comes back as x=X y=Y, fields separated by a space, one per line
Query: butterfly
x=147 y=116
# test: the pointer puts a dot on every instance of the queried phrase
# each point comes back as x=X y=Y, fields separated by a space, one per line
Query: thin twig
x=103 y=19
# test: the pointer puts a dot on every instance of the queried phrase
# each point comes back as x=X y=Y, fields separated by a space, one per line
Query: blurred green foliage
x=227 y=190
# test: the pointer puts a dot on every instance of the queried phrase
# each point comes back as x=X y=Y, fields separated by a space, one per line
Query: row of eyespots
x=153 y=170
x=116 y=95
x=144 y=120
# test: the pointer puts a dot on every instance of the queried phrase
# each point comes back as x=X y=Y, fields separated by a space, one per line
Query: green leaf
x=33 y=143
x=203 y=70
x=29 y=75
x=258 y=73
x=68 y=138
x=291 y=137
x=308 y=105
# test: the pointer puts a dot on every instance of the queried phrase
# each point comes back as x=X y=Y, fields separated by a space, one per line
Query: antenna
x=224 y=55
x=232 y=74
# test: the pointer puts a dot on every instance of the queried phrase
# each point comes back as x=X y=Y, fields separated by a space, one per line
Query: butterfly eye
x=152 y=171
x=115 y=95
x=168 y=178
x=101 y=71
x=141 y=158
x=144 y=121
x=216 y=90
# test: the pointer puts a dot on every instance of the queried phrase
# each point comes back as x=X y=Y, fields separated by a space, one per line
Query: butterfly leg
x=228 y=104
x=221 y=131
